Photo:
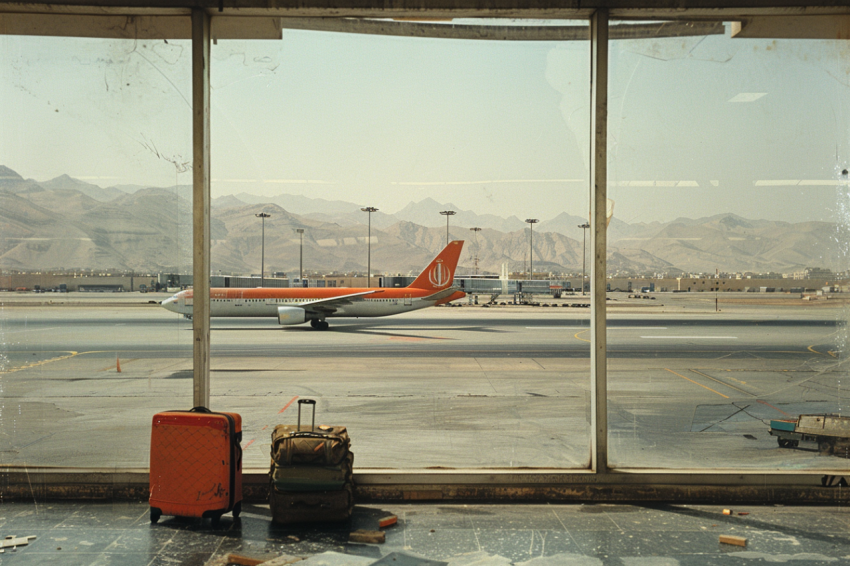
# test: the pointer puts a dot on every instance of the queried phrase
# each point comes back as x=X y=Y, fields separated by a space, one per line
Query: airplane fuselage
x=314 y=304
x=265 y=302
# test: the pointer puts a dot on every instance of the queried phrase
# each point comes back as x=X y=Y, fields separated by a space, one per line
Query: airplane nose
x=169 y=304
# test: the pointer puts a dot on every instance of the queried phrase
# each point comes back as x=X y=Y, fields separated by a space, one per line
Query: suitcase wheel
x=237 y=509
x=155 y=515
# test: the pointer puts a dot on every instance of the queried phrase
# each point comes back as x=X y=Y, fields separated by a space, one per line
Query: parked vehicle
x=830 y=432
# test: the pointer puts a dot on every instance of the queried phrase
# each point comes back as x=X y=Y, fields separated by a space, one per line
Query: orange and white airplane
x=299 y=305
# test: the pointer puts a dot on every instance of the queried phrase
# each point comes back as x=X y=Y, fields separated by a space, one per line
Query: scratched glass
x=359 y=147
x=95 y=222
x=727 y=250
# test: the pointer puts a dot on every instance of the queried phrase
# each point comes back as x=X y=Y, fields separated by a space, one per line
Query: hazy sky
x=697 y=126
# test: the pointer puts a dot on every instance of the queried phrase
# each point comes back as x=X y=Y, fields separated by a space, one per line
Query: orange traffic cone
x=118 y=364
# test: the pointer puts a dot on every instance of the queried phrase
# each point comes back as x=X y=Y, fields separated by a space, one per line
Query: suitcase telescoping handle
x=192 y=410
x=307 y=402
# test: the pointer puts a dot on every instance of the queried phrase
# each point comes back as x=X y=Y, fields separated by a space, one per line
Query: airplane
x=315 y=304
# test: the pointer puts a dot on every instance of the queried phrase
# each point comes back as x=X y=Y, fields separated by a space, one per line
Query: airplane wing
x=439 y=295
x=327 y=306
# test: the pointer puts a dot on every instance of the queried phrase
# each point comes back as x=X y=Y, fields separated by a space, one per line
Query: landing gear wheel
x=237 y=509
x=825 y=447
x=319 y=324
x=783 y=442
x=155 y=515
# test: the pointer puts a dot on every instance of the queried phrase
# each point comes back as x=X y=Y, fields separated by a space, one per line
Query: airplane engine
x=291 y=315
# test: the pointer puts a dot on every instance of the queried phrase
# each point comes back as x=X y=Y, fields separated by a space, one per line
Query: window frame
x=256 y=20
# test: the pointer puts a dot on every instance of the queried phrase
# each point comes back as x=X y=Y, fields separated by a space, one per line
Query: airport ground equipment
x=830 y=432
x=310 y=478
x=196 y=464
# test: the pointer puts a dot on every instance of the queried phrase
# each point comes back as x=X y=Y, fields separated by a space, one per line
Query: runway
x=441 y=332
x=465 y=387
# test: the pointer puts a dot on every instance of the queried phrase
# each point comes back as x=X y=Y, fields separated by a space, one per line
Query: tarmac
x=691 y=386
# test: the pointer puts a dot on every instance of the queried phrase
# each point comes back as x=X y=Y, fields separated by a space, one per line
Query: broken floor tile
x=337 y=559
x=564 y=559
x=479 y=558
x=402 y=559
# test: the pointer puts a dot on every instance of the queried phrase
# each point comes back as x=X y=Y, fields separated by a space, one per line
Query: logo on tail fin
x=440 y=275
x=440 y=272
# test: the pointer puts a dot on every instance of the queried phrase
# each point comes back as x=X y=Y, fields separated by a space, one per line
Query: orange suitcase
x=196 y=464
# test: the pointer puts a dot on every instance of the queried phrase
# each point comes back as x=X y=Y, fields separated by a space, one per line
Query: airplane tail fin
x=440 y=272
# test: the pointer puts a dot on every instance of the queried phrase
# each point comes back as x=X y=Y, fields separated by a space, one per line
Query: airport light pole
x=584 y=228
x=370 y=210
x=301 y=255
x=263 y=215
x=447 y=214
x=531 y=223
x=475 y=230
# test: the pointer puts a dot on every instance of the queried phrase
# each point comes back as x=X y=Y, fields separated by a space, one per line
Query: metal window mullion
x=201 y=206
x=598 y=240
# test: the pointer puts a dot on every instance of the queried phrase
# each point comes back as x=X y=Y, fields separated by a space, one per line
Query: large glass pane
x=318 y=126
x=728 y=172
x=95 y=225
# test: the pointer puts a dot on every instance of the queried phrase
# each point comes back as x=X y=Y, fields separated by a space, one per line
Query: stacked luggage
x=196 y=464
x=311 y=472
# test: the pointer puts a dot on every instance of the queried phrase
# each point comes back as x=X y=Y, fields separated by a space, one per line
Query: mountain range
x=65 y=223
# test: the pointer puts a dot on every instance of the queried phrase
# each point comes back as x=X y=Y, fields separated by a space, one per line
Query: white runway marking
x=588 y=328
x=691 y=337
x=31 y=330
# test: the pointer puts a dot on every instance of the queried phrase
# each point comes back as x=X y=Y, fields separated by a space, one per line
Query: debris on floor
x=283 y=560
x=369 y=537
x=388 y=521
x=731 y=539
x=331 y=558
x=13 y=542
x=240 y=559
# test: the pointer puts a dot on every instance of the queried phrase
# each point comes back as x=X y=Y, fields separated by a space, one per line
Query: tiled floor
x=461 y=535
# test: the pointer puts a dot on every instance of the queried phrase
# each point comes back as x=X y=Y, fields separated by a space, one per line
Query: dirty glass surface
x=727 y=246
x=315 y=127
x=728 y=173
x=95 y=212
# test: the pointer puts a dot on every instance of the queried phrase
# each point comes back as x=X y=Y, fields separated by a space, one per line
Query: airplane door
x=408 y=300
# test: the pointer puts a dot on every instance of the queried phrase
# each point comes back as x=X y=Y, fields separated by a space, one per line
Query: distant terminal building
x=349 y=280
x=72 y=282
x=490 y=284
x=751 y=284
x=227 y=281
x=814 y=273
x=471 y=284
